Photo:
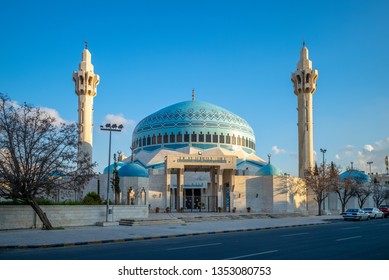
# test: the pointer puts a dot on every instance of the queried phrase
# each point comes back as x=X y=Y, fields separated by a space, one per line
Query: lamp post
x=323 y=151
x=369 y=163
x=324 y=168
x=111 y=128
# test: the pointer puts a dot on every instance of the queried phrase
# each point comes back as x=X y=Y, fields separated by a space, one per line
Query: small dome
x=356 y=175
x=269 y=170
x=111 y=167
x=132 y=169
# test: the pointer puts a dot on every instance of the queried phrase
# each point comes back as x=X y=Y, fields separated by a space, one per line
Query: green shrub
x=92 y=198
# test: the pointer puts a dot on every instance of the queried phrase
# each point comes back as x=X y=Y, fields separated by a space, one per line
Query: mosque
x=197 y=156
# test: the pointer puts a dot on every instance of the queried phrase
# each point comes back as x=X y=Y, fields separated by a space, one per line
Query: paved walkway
x=169 y=225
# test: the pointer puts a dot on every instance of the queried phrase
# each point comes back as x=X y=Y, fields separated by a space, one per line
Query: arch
x=208 y=137
x=172 y=138
x=186 y=137
x=165 y=138
x=221 y=138
x=179 y=137
x=201 y=137
x=194 y=137
x=215 y=138
x=154 y=139
x=159 y=138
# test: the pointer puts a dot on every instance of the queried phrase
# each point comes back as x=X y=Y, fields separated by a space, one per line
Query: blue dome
x=355 y=175
x=269 y=170
x=132 y=169
x=196 y=123
x=119 y=165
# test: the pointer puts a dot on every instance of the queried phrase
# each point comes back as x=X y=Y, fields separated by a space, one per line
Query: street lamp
x=111 y=128
x=369 y=163
x=323 y=151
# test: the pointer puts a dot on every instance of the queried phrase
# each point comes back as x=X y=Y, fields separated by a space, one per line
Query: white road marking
x=384 y=224
x=295 y=234
x=250 y=255
x=342 y=239
x=194 y=246
x=350 y=228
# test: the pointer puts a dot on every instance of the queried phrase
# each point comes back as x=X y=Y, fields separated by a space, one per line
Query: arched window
x=221 y=139
x=194 y=137
x=307 y=78
x=154 y=139
x=186 y=137
x=201 y=137
x=215 y=138
x=81 y=80
x=243 y=143
x=148 y=140
x=90 y=81
x=172 y=138
x=165 y=138
x=144 y=141
x=159 y=138
x=233 y=139
x=228 y=139
x=238 y=140
x=179 y=137
x=140 y=142
x=208 y=137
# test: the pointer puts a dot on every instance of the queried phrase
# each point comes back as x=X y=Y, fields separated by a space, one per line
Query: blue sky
x=235 y=54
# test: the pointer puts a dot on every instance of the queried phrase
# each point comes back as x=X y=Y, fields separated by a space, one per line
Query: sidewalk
x=170 y=225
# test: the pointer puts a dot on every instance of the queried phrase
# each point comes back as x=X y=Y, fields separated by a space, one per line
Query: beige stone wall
x=18 y=217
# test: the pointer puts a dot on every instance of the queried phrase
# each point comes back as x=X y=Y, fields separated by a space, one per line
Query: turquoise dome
x=119 y=165
x=196 y=123
x=132 y=169
x=355 y=175
x=269 y=170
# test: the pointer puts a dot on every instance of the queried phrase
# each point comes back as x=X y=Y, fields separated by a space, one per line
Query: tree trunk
x=319 y=205
x=42 y=215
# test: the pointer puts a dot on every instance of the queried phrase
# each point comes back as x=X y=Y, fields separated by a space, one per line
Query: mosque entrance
x=211 y=197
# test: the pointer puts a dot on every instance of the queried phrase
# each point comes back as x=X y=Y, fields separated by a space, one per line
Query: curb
x=123 y=240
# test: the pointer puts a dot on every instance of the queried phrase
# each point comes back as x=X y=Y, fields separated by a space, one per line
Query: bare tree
x=321 y=182
x=345 y=189
x=380 y=193
x=362 y=192
x=34 y=152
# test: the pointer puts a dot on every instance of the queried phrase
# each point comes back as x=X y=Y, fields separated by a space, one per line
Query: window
x=159 y=139
x=228 y=139
x=221 y=139
x=215 y=138
x=144 y=141
x=233 y=139
x=172 y=138
x=201 y=137
x=148 y=140
x=154 y=139
x=194 y=137
x=179 y=137
x=81 y=80
x=186 y=137
x=208 y=137
x=165 y=138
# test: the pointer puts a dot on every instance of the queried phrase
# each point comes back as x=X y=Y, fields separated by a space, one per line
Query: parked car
x=355 y=214
x=374 y=213
x=385 y=209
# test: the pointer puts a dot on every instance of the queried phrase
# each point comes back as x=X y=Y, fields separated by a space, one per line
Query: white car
x=355 y=214
x=374 y=213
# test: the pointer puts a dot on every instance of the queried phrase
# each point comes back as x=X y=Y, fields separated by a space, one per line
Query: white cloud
x=368 y=148
x=337 y=157
x=277 y=150
x=54 y=113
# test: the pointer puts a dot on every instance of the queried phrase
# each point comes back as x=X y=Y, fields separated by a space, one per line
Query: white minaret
x=304 y=80
x=86 y=82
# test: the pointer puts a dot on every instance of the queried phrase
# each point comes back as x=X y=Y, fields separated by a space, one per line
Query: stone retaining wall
x=23 y=216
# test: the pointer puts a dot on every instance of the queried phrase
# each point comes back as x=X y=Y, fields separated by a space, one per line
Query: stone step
x=148 y=222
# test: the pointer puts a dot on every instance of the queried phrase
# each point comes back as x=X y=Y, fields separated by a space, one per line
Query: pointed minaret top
x=269 y=156
x=193 y=94
x=86 y=45
x=304 y=62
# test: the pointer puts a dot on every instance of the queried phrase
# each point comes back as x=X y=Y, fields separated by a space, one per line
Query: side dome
x=269 y=170
x=111 y=167
x=194 y=123
x=355 y=175
x=132 y=169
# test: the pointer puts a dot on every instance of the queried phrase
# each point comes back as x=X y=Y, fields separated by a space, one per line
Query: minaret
x=86 y=82
x=304 y=80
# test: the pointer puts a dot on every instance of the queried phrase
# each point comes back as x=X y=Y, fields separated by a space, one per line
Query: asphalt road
x=352 y=240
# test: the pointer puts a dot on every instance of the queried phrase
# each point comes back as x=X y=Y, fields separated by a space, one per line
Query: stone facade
x=23 y=216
